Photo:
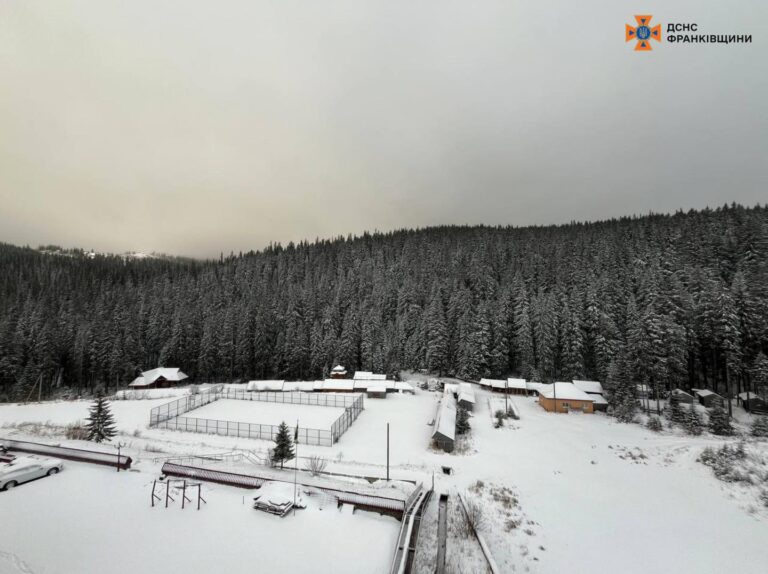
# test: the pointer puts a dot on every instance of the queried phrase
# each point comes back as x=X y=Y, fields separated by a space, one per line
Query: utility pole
x=506 y=397
x=119 y=445
x=387 y=452
x=295 y=464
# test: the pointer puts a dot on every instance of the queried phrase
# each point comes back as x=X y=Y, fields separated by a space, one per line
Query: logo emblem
x=643 y=33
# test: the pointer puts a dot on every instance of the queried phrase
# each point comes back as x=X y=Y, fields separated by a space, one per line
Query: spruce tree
x=760 y=427
x=693 y=424
x=283 y=445
x=674 y=411
x=623 y=391
x=101 y=423
x=462 y=421
x=719 y=421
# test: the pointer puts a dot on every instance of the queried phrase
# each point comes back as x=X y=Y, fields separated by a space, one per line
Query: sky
x=194 y=128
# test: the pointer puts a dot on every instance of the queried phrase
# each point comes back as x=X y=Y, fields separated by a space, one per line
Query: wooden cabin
x=444 y=435
x=708 y=398
x=338 y=372
x=753 y=403
x=565 y=398
x=160 y=378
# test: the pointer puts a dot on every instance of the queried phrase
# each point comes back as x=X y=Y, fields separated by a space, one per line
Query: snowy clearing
x=94 y=520
x=268 y=413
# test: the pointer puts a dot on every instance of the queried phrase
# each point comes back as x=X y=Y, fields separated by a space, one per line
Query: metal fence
x=167 y=416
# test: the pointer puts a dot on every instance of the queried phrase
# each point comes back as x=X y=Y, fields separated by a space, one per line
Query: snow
x=592 y=387
x=94 y=520
x=368 y=376
x=565 y=391
x=337 y=385
x=446 y=418
x=597 y=495
x=265 y=385
x=517 y=384
x=309 y=416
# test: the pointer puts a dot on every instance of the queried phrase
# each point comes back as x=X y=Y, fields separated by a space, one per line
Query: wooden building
x=708 y=398
x=565 y=398
x=595 y=390
x=444 y=435
x=338 y=372
x=682 y=396
x=753 y=403
x=160 y=378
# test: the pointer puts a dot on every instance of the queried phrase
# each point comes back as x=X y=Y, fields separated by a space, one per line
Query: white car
x=24 y=469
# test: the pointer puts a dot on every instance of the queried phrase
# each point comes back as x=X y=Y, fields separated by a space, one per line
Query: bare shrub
x=76 y=431
x=473 y=516
x=315 y=465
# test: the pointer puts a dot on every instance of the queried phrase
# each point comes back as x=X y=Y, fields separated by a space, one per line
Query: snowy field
x=562 y=492
x=90 y=520
x=309 y=416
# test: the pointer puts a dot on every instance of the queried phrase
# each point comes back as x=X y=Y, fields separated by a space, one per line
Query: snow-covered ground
x=90 y=520
x=571 y=492
x=309 y=416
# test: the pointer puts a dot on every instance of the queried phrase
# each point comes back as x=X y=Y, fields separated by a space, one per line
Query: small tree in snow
x=719 y=421
x=654 y=424
x=101 y=423
x=462 y=421
x=283 y=445
x=760 y=427
x=693 y=424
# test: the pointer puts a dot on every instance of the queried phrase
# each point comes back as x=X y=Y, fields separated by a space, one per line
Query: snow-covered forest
x=673 y=300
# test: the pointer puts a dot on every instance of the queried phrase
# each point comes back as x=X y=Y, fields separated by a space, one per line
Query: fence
x=167 y=416
x=76 y=454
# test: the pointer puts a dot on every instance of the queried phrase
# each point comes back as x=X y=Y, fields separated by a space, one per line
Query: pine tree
x=283 y=445
x=760 y=427
x=674 y=411
x=693 y=423
x=719 y=421
x=462 y=421
x=623 y=391
x=100 y=422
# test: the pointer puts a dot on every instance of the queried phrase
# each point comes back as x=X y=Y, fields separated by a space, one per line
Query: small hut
x=160 y=378
x=753 y=403
x=444 y=434
x=466 y=398
x=377 y=391
x=682 y=396
x=338 y=372
x=708 y=398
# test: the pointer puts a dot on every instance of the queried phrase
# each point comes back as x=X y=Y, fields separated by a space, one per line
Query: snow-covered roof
x=532 y=386
x=517 y=384
x=265 y=385
x=592 y=387
x=149 y=377
x=446 y=419
x=681 y=392
x=377 y=388
x=404 y=386
x=598 y=399
x=305 y=386
x=565 y=391
x=450 y=388
x=494 y=383
x=467 y=397
x=704 y=392
x=338 y=385
x=368 y=376
x=338 y=369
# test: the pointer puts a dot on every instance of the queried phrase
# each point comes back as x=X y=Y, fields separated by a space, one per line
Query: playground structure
x=180 y=484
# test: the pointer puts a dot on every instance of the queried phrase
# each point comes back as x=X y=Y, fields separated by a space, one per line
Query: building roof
x=533 y=386
x=446 y=419
x=265 y=386
x=517 y=384
x=491 y=383
x=377 y=388
x=338 y=385
x=368 y=376
x=565 y=391
x=338 y=369
x=592 y=387
x=149 y=377
x=404 y=386
x=681 y=392
x=705 y=393
x=467 y=397
x=305 y=386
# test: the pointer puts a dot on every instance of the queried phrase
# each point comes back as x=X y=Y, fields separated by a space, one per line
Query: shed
x=565 y=398
x=708 y=398
x=444 y=434
x=466 y=399
x=160 y=378
x=377 y=391
x=682 y=396
x=753 y=403
x=338 y=372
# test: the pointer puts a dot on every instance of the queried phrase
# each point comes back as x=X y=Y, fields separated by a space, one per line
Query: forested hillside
x=669 y=299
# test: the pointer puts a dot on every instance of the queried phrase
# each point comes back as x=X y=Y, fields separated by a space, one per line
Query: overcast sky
x=193 y=127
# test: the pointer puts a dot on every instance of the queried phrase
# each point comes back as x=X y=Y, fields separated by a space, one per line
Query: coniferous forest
x=670 y=300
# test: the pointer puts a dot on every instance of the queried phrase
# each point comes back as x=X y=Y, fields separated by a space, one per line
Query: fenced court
x=169 y=415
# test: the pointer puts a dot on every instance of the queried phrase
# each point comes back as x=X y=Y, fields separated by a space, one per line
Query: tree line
x=677 y=300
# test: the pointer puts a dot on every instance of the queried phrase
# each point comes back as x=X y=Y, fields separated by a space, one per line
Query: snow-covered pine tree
x=693 y=423
x=760 y=427
x=462 y=421
x=100 y=422
x=674 y=412
x=719 y=421
x=623 y=395
x=283 y=445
